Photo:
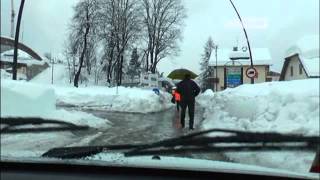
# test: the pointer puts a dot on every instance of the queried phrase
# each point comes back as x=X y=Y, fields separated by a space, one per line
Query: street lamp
x=245 y=33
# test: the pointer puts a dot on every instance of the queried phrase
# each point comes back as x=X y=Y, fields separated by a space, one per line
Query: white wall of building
x=295 y=64
x=262 y=74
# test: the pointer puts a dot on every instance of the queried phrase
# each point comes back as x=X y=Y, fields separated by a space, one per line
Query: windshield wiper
x=245 y=141
x=84 y=151
x=13 y=124
x=197 y=142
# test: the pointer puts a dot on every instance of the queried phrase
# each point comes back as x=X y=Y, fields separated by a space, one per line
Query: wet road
x=142 y=128
x=136 y=128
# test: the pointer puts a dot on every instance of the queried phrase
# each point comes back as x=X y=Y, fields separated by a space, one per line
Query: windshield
x=143 y=77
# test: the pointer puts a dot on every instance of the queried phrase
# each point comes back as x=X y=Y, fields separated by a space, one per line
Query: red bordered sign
x=252 y=72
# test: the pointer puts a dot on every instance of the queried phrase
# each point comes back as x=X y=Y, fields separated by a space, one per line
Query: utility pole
x=52 y=60
x=16 y=41
x=12 y=19
x=216 y=71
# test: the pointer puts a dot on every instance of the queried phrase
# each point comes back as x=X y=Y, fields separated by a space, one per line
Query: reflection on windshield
x=114 y=79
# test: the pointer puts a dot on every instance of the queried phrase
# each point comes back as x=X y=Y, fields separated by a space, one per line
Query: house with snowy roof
x=27 y=66
x=302 y=60
x=29 y=62
x=228 y=68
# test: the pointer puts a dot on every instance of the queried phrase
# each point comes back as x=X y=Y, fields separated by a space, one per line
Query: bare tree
x=163 y=20
x=120 y=29
x=82 y=34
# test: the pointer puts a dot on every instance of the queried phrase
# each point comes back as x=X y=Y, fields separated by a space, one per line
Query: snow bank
x=5 y=75
x=126 y=100
x=285 y=107
x=102 y=97
x=24 y=99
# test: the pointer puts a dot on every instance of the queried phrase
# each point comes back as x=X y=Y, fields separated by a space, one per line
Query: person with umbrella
x=188 y=90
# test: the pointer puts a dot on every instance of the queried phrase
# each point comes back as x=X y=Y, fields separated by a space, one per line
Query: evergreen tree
x=134 y=65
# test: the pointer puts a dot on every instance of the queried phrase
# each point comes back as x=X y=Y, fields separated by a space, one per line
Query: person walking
x=188 y=90
x=177 y=97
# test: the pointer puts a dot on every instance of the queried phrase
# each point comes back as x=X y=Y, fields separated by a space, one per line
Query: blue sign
x=233 y=78
x=156 y=90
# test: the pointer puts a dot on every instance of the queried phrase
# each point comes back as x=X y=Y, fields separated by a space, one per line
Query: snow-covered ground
x=285 y=107
x=24 y=99
x=111 y=99
x=119 y=99
x=6 y=75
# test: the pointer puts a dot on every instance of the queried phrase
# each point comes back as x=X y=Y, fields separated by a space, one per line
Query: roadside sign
x=233 y=76
x=251 y=72
x=149 y=80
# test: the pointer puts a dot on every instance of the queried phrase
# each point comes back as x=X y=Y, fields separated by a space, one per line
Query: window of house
x=291 y=70
x=300 y=68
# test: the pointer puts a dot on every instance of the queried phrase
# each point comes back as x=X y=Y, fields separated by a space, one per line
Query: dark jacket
x=188 y=90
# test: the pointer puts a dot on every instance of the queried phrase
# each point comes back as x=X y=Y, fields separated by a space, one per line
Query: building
x=302 y=60
x=27 y=66
x=232 y=64
x=273 y=76
x=29 y=62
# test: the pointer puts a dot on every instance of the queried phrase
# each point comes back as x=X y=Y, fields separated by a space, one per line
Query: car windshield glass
x=210 y=81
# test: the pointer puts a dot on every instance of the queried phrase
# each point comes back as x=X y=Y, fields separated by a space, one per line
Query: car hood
x=165 y=162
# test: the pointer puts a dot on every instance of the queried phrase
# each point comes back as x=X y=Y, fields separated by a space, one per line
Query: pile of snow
x=25 y=99
x=119 y=99
x=284 y=107
x=6 y=75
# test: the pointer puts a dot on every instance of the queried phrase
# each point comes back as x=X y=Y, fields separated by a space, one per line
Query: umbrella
x=180 y=74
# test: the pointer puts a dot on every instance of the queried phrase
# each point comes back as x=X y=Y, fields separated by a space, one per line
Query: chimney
x=235 y=48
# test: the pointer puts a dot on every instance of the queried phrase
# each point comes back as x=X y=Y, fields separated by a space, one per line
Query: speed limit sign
x=251 y=72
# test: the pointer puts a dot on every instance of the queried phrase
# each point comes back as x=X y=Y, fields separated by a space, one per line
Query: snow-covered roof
x=260 y=56
x=8 y=37
x=23 y=58
x=308 y=51
x=311 y=65
x=307 y=46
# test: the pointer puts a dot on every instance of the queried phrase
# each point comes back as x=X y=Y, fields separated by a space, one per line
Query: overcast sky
x=274 y=24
